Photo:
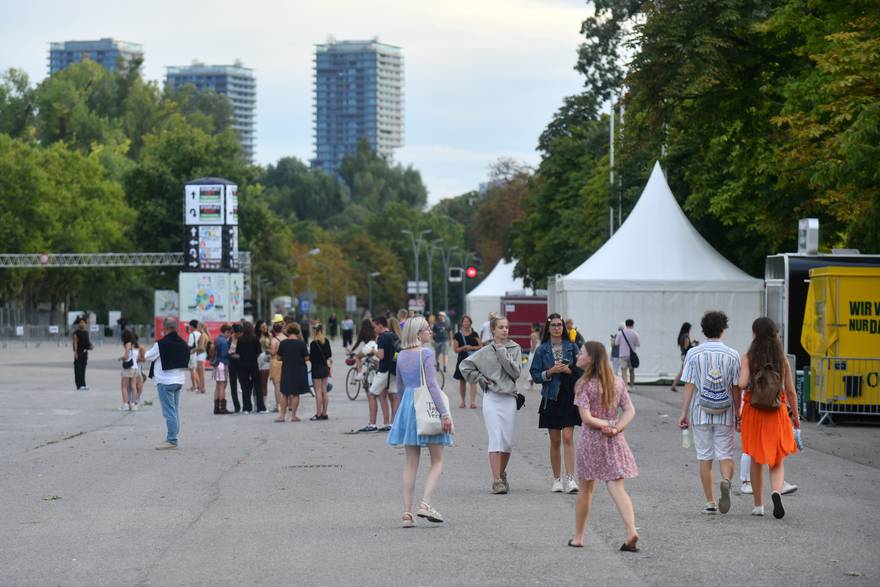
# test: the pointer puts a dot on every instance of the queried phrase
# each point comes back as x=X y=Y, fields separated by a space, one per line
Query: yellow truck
x=841 y=331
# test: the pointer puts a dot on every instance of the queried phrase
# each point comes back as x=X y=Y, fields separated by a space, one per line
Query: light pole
x=370 y=277
x=445 y=256
x=429 y=251
x=416 y=243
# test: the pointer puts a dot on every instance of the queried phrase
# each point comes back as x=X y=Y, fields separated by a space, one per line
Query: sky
x=483 y=77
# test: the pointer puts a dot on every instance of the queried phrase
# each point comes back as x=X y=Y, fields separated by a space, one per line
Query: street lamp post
x=416 y=244
x=429 y=251
x=445 y=256
x=370 y=277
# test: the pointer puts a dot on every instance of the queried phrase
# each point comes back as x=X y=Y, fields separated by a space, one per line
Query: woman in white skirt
x=496 y=367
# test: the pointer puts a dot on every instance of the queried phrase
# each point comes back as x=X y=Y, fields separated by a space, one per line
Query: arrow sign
x=193 y=264
x=193 y=242
x=194 y=231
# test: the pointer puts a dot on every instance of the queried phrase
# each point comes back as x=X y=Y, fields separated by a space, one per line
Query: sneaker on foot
x=571 y=485
x=557 y=486
x=724 y=502
x=746 y=488
x=778 y=510
x=264 y=411
x=123 y=408
x=758 y=510
x=85 y=387
x=166 y=446
x=368 y=428
x=710 y=508
x=134 y=407
x=499 y=487
x=788 y=488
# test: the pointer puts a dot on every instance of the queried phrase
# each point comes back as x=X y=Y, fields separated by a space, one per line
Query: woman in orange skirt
x=767 y=433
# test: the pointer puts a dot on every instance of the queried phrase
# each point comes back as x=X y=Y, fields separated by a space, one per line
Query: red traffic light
x=471 y=272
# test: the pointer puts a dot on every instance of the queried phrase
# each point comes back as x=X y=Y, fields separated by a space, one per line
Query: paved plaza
x=86 y=500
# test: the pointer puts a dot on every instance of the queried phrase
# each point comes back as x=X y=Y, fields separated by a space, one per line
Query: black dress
x=472 y=339
x=562 y=413
x=294 y=374
x=318 y=355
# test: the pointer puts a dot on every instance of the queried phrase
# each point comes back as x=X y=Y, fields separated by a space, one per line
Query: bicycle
x=353 y=385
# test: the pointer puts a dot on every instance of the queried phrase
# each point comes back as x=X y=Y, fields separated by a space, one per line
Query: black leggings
x=79 y=369
x=249 y=377
x=346 y=337
x=233 y=384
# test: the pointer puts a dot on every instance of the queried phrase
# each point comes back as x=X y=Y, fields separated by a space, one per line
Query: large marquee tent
x=659 y=271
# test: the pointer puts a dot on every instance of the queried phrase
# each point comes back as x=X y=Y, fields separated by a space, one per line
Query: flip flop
x=630 y=546
x=573 y=545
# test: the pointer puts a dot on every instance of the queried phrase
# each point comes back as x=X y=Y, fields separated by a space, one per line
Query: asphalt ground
x=86 y=500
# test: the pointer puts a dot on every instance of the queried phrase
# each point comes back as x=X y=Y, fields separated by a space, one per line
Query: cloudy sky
x=483 y=77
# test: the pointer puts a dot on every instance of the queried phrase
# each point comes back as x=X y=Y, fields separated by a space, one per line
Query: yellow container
x=842 y=334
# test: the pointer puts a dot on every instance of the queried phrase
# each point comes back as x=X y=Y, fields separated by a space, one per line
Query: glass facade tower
x=358 y=96
x=233 y=81
x=105 y=52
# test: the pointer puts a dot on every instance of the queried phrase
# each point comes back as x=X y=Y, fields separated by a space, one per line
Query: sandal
x=315 y=418
x=573 y=545
x=631 y=545
x=429 y=513
x=408 y=520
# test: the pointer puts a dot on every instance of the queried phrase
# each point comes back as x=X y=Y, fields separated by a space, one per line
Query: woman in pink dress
x=602 y=451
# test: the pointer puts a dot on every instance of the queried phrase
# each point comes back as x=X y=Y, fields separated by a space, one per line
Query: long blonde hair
x=319 y=333
x=600 y=369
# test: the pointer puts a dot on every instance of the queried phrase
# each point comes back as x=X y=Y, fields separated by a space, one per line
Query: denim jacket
x=544 y=360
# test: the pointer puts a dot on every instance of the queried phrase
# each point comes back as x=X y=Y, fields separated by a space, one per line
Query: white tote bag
x=427 y=415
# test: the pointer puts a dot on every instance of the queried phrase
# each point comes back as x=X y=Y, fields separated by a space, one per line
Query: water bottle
x=685 y=438
x=797 y=438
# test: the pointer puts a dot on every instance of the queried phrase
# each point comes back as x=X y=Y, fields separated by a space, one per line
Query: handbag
x=520 y=401
x=633 y=357
x=428 y=422
x=127 y=364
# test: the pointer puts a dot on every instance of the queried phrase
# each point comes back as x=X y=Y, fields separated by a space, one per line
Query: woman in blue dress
x=412 y=361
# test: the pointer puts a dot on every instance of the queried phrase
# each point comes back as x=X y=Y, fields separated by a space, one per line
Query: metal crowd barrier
x=59 y=335
x=846 y=385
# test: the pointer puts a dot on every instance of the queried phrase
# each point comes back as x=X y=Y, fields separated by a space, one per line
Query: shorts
x=220 y=372
x=381 y=381
x=440 y=348
x=192 y=362
x=131 y=373
x=624 y=363
x=713 y=442
x=263 y=361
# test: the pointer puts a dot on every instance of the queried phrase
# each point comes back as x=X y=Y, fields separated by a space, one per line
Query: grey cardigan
x=500 y=365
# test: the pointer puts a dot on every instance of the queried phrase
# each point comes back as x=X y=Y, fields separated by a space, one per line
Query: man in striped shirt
x=711 y=404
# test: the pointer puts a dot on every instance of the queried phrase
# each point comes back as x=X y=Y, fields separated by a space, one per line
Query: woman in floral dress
x=602 y=451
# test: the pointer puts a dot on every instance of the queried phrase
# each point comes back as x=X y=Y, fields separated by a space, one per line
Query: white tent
x=486 y=297
x=660 y=272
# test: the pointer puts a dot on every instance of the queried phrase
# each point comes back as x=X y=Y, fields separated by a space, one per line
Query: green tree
x=16 y=104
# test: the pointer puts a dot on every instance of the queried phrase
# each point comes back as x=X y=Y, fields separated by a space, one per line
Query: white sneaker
x=758 y=510
x=788 y=488
x=557 y=486
x=571 y=485
x=134 y=407
x=123 y=408
x=746 y=488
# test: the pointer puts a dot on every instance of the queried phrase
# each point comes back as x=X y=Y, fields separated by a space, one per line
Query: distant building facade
x=237 y=83
x=358 y=96
x=106 y=52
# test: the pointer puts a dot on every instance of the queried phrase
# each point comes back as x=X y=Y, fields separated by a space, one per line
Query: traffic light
x=471 y=272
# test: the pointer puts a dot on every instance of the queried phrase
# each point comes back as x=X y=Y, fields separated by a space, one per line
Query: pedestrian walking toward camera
x=129 y=371
x=603 y=453
x=465 y=343
x=347 y=331
x=332 y=326
x=415 y=368
x=249 y=350
x=684 y=343
x=220 y=362
x=293 y=354
x=496 y=367
x=171 y=357
x=554 y=366
x=767 y=434
x=320 y=358
x=710 y=406
x=81 y=347
x=627 y=343
x=441 y=340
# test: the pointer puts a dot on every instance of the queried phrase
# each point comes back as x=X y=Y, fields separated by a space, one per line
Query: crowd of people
x=580 y=386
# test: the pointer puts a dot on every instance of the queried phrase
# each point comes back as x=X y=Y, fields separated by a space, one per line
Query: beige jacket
x=496 y=368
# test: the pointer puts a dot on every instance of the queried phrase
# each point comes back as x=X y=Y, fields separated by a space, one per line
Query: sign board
x=305 y=306
x=53 y=329
x=19 y=331
x=416 y=305
x=509 y=308
x=420 y=287
x=211 y=297
x=210 y=215
x=232 y=204
x=113 y=317
x=351 y=303
x=94 y=328
x=204 y=204
x=455 y=274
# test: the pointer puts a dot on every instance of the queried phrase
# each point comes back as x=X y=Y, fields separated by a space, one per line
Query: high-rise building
x=358 y=96
x=237 y=83
x=106 y=52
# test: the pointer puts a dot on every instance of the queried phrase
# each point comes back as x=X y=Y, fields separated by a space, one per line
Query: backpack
x=714 y=395
x=766 y=384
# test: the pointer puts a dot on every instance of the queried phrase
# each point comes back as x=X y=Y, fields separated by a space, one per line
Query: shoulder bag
x=428 y=422
x=633 y=357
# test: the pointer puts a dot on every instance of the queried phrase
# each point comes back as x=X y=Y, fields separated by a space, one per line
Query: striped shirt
x=712 y=355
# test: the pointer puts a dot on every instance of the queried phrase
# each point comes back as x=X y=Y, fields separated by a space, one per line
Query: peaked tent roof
x=658 y=248
x=499 y=281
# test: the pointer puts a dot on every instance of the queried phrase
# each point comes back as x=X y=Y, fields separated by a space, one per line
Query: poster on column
x=211 y=297
x=165 y=305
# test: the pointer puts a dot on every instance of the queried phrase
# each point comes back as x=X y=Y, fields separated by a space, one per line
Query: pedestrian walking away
x=465 y=343
x=81 y=347
x=332 y=326
x=378 y=395
x=627 y=343
x=248 y=350
x=496 y=367
x=684 y=343
x=293 y=354
x=767 y=430
x=320 y=358
x=274 y=361
x=129 y=371
x=554 y=366
x=170 y=356
x=220 y=362
x=265 y=359
x=602 y=452
x=710 y=407
x=415 y=368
